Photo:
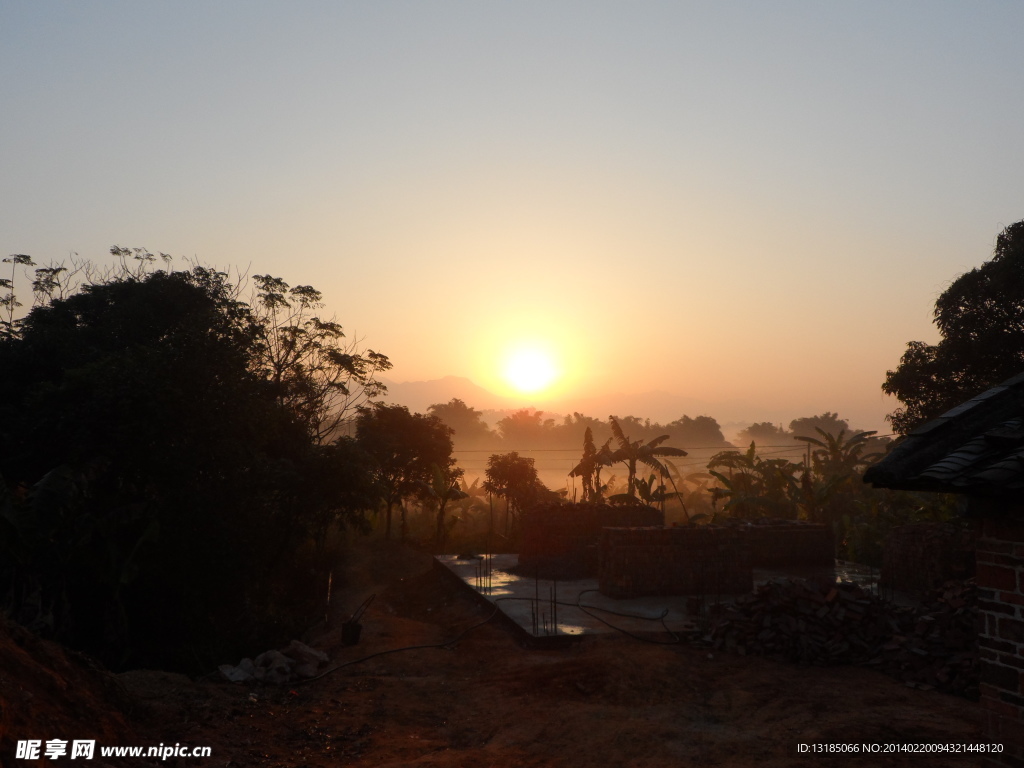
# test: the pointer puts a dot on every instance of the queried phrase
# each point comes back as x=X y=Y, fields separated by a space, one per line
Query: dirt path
x=607 y=701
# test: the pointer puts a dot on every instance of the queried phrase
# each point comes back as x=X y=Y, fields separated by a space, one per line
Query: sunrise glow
x=530 y=369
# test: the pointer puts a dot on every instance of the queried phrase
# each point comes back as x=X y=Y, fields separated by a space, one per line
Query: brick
x=993 y=558
x=989 y=691
x=997 y=606
x=1011 y=629
x=1016 y=701
x=1005 y=678
x=1014 y=598
x=997 y=577
x=1005 y=709
x=1002 y=528
x=1010 y=660
x=995 y=644
x=995 y=545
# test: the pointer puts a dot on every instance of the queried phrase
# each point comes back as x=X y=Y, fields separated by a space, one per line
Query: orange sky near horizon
x=752 y=206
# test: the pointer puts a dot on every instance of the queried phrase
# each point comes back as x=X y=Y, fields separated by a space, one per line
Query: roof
x=976 y=448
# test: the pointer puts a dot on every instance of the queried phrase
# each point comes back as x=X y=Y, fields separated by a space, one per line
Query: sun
x=530 y=369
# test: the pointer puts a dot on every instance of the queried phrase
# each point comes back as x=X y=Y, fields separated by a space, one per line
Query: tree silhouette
x=765 y=433
x=166 y=485
x=754 y=486
x=825 y=423
x=404 y=447
x=444 y=487
x=467 y=425
x=981 y=320
x=526 y=428
x=513 y=478
x=633 y=453
x=314 y=371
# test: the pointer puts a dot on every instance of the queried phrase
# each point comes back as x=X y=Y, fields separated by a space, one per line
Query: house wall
x=699 y=560
x=1000 y=580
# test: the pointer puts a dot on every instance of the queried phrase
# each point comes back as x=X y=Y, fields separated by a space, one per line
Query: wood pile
x=933 y=646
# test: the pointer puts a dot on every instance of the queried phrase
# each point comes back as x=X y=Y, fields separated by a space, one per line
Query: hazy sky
x=747 y=201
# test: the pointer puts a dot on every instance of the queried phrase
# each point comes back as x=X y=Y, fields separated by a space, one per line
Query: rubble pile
x=934 y=646
x=297 y=661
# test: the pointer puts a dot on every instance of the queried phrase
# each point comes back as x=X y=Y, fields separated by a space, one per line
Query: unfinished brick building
x=562 y=540
x=977 y=449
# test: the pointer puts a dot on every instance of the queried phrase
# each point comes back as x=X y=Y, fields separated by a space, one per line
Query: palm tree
x=632 y=453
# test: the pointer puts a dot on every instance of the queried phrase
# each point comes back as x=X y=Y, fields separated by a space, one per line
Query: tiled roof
x=975 y=448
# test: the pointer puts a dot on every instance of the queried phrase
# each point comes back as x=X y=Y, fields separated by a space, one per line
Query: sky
x=750 y=205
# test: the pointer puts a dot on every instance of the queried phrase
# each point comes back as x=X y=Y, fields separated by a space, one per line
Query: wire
x=446 y=644
x=676 y=639
x=587 y=608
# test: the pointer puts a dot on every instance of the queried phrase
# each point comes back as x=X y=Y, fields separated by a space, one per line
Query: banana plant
x=835 y=456
x=632 y=453
x=649 y=492
x=589 y=468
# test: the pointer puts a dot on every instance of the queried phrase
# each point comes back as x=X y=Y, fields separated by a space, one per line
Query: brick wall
x=561 y=540
x=698 y=560
x=780 y=543
x=921 y=556
x=1000 y=579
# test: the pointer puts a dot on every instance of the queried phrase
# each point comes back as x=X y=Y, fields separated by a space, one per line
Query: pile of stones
x=296 y=662
x=932 y=646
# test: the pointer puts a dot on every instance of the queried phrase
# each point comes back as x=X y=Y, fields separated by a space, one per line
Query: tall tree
x=167 y=484
x=702 y=431
x=809 y=426
x=314 y=370
x=468 y=426
x=765 y=433
x=981 y=320
x=526 y=429
x=513 y=478
x=404 y=448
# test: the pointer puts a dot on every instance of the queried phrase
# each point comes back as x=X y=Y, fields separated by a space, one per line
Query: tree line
x=175 y=454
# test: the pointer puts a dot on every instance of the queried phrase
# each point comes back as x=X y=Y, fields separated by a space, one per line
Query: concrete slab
x=544 y=608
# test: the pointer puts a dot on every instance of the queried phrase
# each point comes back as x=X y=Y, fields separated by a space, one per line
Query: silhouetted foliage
x=701 y=431
x=589 y=468
x=514 y=478
x=526 y=428
x=468 y=428
x=810 y=426
x=315 y=372
x=162 y=487
x=404 y=448
x=981 y=320
x=765 y=433
x=753 y=486
x=631 y=453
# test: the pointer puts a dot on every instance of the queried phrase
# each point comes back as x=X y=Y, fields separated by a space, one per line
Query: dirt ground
x=608 y=700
